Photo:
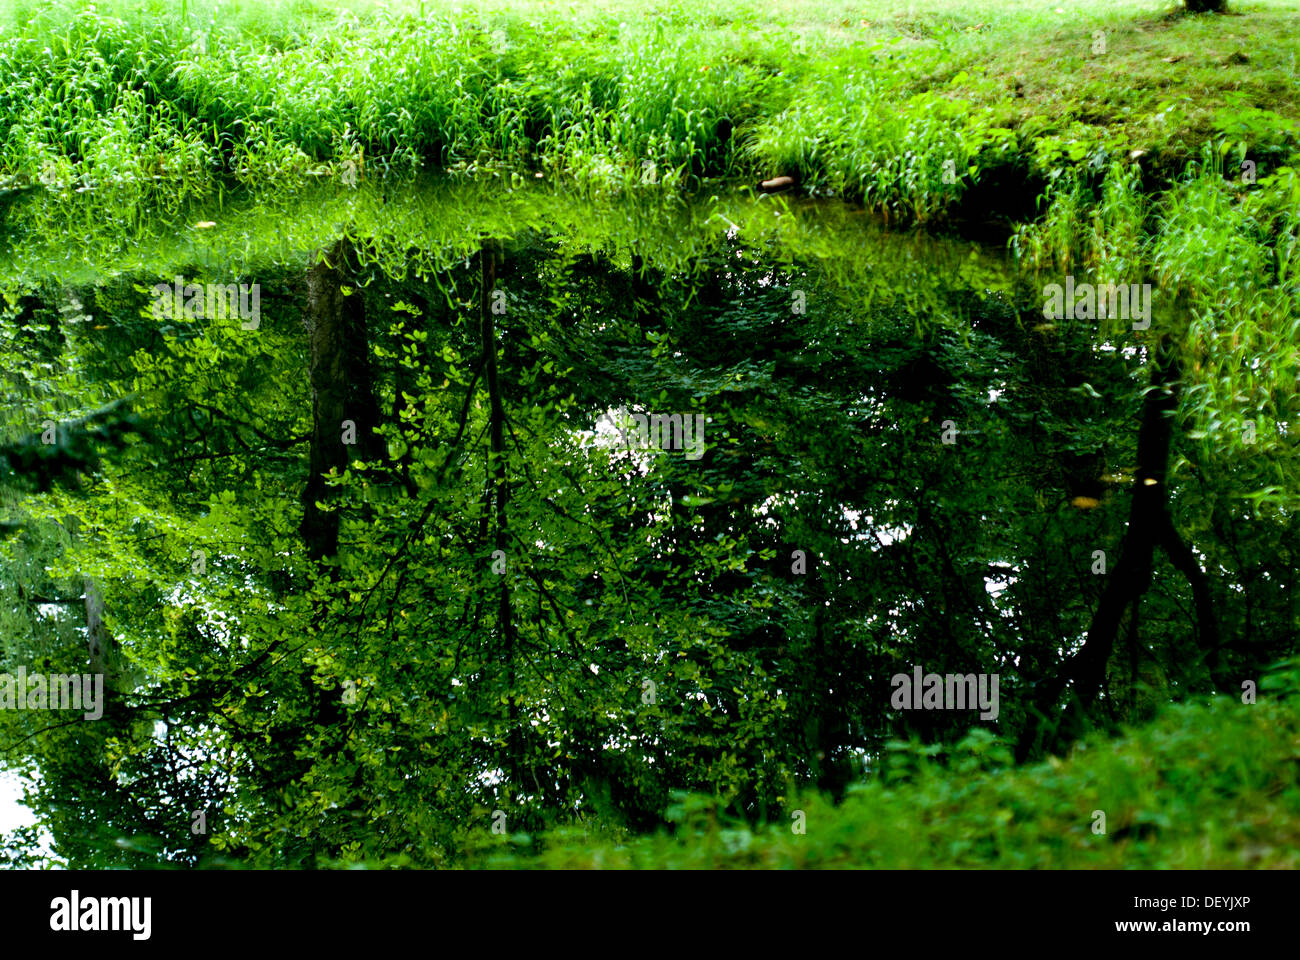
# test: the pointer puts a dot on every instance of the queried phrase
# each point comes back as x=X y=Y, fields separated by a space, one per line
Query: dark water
x=890 y=461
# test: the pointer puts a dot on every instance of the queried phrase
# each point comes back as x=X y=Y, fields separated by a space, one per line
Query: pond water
x=732 y=465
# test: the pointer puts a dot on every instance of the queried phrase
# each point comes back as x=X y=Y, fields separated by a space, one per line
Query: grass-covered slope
x=1210 y=785
x=906 y=106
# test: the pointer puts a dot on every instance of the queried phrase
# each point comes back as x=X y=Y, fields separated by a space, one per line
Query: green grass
x=1210 y=785
x=903 y=106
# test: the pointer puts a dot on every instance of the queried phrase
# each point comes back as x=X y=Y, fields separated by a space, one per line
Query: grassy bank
x=1212 y=785
x=911 y=108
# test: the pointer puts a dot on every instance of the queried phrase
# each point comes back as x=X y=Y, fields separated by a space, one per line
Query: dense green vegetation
x=370 y=575
x=1204 y=787
x=906 y=107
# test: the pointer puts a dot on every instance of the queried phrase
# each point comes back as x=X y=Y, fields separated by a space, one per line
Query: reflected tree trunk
x=1149 y=527
x=498 y=497
x=344 y=410
x=97 y=638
